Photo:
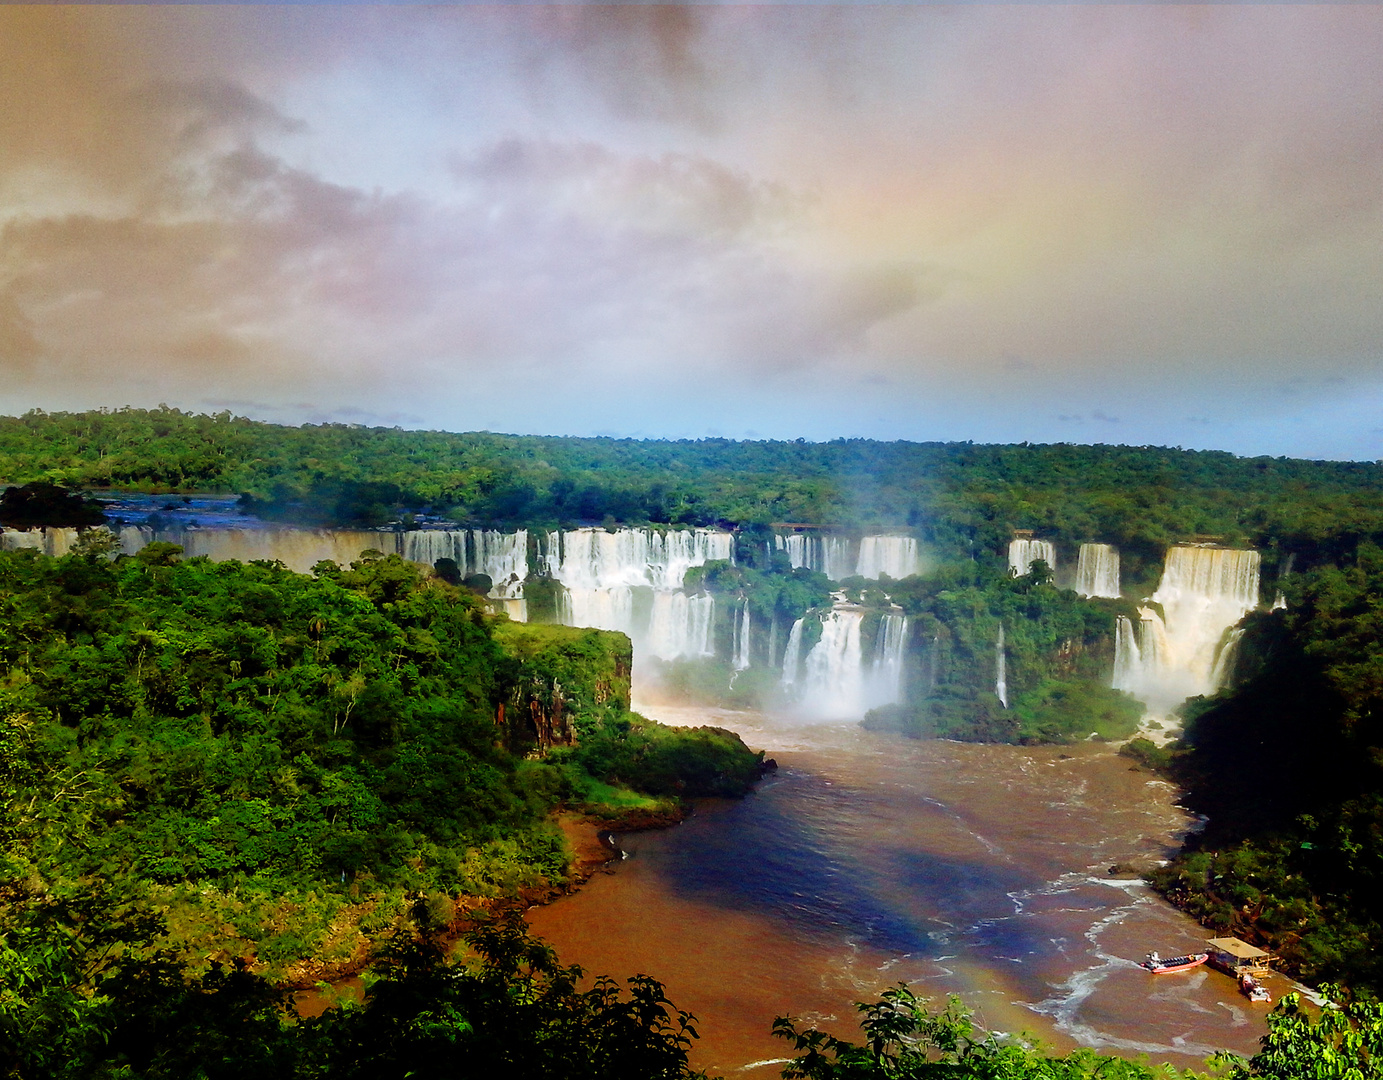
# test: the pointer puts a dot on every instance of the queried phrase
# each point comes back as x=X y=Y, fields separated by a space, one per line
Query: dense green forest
x=1059 y=648
x=274 y=761
x=222 y=777
x=1288 y=768
x=961 y=497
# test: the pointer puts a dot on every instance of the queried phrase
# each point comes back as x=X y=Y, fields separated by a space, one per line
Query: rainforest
x=281 y=707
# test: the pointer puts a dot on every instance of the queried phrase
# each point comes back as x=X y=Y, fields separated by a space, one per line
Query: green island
x=227 y=780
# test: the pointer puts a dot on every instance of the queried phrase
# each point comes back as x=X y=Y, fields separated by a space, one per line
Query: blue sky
x=1142 y=224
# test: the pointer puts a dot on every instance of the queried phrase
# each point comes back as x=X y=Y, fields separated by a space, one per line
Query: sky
x=1096 y=223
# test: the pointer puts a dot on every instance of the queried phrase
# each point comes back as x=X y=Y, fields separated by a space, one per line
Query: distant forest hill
x=960 y=496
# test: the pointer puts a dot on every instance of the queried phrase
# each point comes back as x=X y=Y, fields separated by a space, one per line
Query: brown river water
x=869 y=859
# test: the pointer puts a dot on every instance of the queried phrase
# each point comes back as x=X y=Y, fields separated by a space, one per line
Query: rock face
x=561 y=681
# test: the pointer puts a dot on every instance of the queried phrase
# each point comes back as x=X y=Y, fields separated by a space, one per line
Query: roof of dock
x=1242 y=949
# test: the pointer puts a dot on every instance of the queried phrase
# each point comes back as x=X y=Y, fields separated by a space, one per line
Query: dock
x=1235 y=957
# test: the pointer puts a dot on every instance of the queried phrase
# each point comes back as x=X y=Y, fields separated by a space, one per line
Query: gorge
x=845 y=658
x=1005 y=872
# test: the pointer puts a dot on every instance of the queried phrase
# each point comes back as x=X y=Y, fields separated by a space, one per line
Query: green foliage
x=963 y=499
x=85 y=994
x=1056 y=712
x=289 y=753
x=566 y=682
x=1289 y=769
x=1343 y=1041
x=667 y=761
x=41 y=505
x=1148 y=754
x=905 y=1040
x=515 y=1012
x=1058 y=649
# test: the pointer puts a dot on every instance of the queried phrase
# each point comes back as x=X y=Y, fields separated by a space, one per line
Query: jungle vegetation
x=1288 y=768
x=216 y=772
x=275 y=761
x=964 y=499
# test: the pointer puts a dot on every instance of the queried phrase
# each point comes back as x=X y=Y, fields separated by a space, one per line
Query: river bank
x=959 y=868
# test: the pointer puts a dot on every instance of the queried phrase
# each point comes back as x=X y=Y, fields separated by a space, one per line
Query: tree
x=41 y=505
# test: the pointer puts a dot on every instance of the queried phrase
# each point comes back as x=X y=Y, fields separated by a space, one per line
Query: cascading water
x=1097 y=571
x=680 y=625
x=886 y=676
x=1223 y=672
x=1204 y=591
x=597 y=559
x=896 y=556
x=601 y=570
x=838 y=558
x=1128 y=659
x=1000 y=669
x=53 y=542
x=833 y=680
x=836 y=681
x=503 y=557
x=792 y=655
x=1022 y=553
x=600 y=609
x=741 y=649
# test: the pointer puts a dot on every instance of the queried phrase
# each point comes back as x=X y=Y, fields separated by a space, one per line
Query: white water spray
x=838 y=557
x=1000 y=669
x=741 y=649
x=1097 y=571
x=1204 y=591
x=792 y=655
x=1022 y=553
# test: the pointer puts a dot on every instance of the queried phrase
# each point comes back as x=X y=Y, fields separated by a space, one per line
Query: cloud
x=977 y=215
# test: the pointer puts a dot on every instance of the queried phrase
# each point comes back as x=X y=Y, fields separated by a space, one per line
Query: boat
x=1252 y=989
x=1173 y=964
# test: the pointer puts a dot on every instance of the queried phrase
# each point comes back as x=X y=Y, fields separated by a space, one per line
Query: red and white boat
x=1173 y=964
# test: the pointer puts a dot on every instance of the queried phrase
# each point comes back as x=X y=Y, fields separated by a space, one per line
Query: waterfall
x=836 y=681
x=833 y=682
x=1204 y=592
x=549 y=554
x=1000 y=669
x=741 y=649
x=838 y=557
x=896 y=556
x=1022 y=553
x=55 y=542
x=792 y=655
x=680 y=625
x=601 y=570
x=601 y=609
x=886 y=674
x=596 y=559
x=1128 y=661
x=800 y=548
x=773 y=640
x=503 y=557
x=1223 y=672
x=1280 y=601
x=1097 y=571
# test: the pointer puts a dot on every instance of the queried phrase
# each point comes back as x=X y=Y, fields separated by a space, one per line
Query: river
x=868 y=859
